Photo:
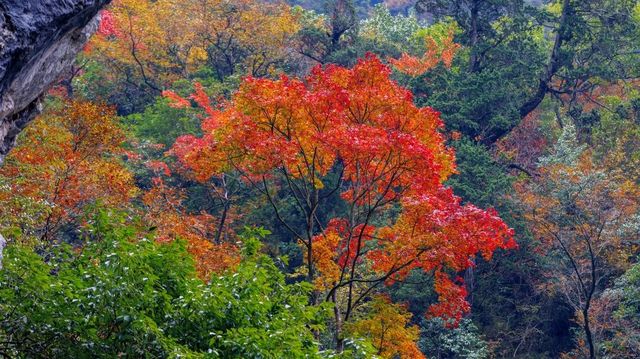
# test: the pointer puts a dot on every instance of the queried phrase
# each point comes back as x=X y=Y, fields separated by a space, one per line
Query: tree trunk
x=552 y=65
x=474 y=62
x=223 y=220
x=587 y=332
x=337 y=334
x=544 y=81
x=3 y=243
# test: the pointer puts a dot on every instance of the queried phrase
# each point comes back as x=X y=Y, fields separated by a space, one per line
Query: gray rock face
x=39 y=39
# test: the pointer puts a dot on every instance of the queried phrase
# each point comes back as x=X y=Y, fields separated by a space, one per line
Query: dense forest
x=331 y=179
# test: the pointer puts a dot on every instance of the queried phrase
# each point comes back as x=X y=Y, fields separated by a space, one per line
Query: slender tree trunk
x=552 y=65
x=587 y=332
x=544 y=81
x=311 y=217
x=223 y=220
x=589 y=297
x=310 y=270
x=474 y=62
x=225 y=210
x=469 y=277
x=337 y=334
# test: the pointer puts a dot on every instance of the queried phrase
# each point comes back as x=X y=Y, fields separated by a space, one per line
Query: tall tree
x=476 y=18
x=582 y=214
x=591 y=40
x=147 y=45
x=289 y=135
x=68 y=160
x=562 y=49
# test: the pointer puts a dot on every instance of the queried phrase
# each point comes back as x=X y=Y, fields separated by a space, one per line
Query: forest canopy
x=332 y=179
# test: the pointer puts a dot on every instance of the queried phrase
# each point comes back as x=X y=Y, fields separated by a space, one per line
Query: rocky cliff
x=38 y=40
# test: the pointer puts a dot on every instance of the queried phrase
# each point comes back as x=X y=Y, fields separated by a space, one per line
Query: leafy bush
x=437 y=341
x=119 y=296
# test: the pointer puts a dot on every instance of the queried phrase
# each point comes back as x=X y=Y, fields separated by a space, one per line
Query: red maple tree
x=358 y=133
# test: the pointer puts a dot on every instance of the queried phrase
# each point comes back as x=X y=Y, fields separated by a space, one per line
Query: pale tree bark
x=3 y=243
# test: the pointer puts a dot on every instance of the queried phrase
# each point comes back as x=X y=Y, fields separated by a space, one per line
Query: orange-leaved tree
x=68 y=159
x=586 y=219
x=440 y=48
x=161 y=208
x=158 y=42
x=356 y=133
x=387 y=327
x=164 y=209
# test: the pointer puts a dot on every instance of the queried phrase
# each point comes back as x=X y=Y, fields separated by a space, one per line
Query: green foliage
x=464 y=341
x=478 y=20
x=161 y=123
x=484 y=102
x=624 y=339
x=567 y=150
x=120 y=296
x=630 y=284
x=480 y=179
x=616 y=136
x=96 y=84
x=399 y=32
x=354 y=349
x=280 y=242
x=496 y=71
x=417 y=292
x=610 y=25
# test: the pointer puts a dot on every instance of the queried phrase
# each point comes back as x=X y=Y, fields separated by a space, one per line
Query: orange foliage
x=526 y=143
x=436 y=53
x=163 y=209
x=388 y=329
x=65 y=161
x=166 y=40
x=389 y=153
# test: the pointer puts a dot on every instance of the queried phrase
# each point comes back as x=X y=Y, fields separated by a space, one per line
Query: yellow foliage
x=165 y=40
x=387 y=329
